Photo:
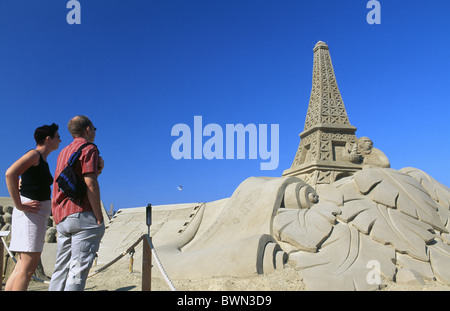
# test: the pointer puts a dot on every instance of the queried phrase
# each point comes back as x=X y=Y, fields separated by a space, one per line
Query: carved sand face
x=365 y=145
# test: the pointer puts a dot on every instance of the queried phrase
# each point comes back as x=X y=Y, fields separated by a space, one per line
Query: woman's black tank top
x=36 y=182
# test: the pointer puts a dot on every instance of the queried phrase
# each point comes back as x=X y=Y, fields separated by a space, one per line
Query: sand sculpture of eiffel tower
x=327 y=133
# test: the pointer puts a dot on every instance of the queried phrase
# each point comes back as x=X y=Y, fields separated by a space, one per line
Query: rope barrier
x=158 y=262
x=129 y=250
x=118 y=257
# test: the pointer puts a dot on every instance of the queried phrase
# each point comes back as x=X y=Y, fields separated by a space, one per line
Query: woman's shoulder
x=33 y=156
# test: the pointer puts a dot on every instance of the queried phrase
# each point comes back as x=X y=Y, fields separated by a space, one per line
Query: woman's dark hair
x=43 y=131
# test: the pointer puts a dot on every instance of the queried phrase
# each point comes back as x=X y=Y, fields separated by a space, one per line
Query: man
x=79 y=223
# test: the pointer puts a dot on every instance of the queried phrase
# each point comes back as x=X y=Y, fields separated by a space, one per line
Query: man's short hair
x=42 y=132
x=77 y=125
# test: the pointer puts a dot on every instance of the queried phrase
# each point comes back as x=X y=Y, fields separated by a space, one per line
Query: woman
x=31 y=197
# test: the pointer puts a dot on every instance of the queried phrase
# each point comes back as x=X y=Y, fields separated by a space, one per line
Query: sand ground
x=118 y=278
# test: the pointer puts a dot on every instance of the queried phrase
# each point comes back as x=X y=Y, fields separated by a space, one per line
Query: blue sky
x=139 y=67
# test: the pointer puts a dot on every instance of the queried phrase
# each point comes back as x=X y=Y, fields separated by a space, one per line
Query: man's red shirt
x=88 y=163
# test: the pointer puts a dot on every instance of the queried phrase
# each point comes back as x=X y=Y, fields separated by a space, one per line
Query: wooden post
x=146 y=264
x=147 y=253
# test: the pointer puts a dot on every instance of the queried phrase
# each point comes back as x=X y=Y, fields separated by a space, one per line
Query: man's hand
x=101 y=165
x=93 y=194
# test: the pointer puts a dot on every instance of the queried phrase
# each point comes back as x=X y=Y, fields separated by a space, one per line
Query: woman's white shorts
x=28 y=229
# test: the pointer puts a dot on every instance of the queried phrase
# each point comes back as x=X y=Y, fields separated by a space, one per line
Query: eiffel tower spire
x=327 y=132
x=326 y=108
